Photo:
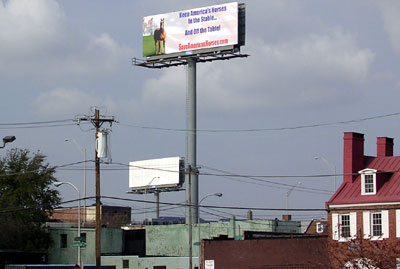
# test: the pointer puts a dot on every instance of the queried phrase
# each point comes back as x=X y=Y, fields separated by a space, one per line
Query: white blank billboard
x=156 y=173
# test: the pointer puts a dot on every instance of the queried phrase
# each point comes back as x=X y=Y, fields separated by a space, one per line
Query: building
x=111 y=216
x=317 y=226
x=367 y=204
x=148 y=246
x=172 y=240
x=63 y=249
x=267 y=250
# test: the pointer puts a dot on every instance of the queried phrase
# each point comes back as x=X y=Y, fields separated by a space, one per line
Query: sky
x=316 y=69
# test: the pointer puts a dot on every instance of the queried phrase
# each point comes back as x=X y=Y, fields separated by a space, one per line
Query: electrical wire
x=311 y=190
x=35 y=122
x=262 y=129
x=45 y=124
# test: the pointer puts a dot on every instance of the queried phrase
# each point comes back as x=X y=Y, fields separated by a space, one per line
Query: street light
x=58 y=184
x=84 y=175
x=287 y=195
x=7 y=139
x=218 y=194
x=330 y=165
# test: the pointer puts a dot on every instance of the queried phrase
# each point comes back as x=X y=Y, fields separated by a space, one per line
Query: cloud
x=291 y=73
x=62 y=102
x=98 y=55
x=27 y=26
x=166 y=90
x=35 y=41
x=391 y=19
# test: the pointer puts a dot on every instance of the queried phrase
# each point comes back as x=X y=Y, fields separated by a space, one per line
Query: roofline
x=362 y=205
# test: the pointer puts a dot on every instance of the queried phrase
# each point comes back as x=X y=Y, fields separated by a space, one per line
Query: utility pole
x=97 y=123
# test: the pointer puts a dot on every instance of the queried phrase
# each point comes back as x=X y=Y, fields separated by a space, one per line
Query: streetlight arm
x=330 y=165
x=58 y=184
x=76 y=144
x=218 y=194
x=7 y=139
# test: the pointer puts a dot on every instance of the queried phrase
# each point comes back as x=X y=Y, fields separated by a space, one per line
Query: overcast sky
x=311 y=63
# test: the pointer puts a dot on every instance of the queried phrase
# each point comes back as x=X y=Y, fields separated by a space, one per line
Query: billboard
x=156 y=173
x=190 y=30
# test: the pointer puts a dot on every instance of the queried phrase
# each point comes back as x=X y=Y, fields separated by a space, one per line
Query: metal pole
x=191 y=137
x=334 y=171
x=145 y=206
x=198 y=226
x=97 y=160
x=84 y=175
x=79 y=226
x=57 y=184
x=190 y=218
x=157 y=201
x=198 y=222
x=330 y=165
x=287 y=196
x=84 y=187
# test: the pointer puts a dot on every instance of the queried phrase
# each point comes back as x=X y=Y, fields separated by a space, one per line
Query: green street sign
x=80 y=239
x=79 y=244
x=196 y=243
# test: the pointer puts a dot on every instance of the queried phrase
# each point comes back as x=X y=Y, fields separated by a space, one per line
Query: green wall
x=170 y=242
x=142 y=263
x=173 y=240
x=111 y=243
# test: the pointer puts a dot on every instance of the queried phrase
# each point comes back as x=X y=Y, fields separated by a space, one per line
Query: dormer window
x=368 y=181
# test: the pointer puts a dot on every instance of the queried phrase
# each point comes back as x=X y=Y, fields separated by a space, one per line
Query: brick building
x=267 y=250
x=367 y=204
x=111 y=216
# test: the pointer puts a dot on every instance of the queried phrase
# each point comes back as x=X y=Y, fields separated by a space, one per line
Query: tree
x=26 y=200
x=364 y=253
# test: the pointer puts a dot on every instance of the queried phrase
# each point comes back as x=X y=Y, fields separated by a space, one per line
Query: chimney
x=384 y=147
x=250 y=215
x=353 y=155
x=286 y=217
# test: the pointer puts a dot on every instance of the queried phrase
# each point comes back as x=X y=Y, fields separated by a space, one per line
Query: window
x=125 y=264
x=376 y=224
x=397 y=222
x=63 y=240
x=345 y=226
x=368 y=181
x=320 y=227
x=83 y=235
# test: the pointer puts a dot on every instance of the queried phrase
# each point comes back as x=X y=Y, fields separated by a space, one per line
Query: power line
x=312 y=190
x=41 y=169
x=35 y=122
x=53 y=123
x=220 y=207
x=263 y=129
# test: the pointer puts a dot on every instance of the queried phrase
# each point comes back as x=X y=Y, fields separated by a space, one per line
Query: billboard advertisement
x=156 y=173
x=190 y=30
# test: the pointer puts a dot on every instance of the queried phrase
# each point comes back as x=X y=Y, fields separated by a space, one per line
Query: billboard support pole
x=157 y=201
x=189 y=207
x=191 y=139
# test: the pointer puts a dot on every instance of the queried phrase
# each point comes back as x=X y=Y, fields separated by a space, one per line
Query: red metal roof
x=350 y=193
